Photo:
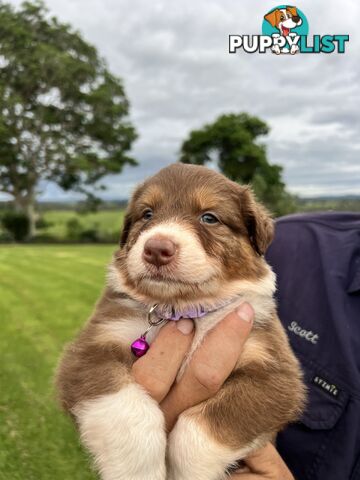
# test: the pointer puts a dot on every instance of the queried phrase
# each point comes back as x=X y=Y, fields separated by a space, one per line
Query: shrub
x=73 y=229
x=42 y=223
x=89 y=235
x=17 y=224
x=5 y=237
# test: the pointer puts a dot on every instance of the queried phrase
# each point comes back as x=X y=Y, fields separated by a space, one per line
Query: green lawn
x=46 y=293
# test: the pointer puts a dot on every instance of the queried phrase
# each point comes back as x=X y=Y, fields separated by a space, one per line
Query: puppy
x=284 y=19
x=193 y=241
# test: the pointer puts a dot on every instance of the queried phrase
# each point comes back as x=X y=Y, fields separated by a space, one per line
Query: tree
x=63 y=115
x=232 y=141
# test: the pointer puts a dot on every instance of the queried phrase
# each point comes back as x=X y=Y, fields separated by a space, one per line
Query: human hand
x=204 y=376
x=264 y=464
x=208 y=369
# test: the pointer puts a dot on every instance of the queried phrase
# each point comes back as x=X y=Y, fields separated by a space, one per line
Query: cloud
x=178 y=75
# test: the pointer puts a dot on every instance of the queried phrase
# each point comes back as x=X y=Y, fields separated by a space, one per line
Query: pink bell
x=140 y=346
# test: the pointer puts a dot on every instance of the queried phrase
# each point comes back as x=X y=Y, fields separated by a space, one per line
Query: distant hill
x=330 y=198
x=350 y=203
x=72 y=205
x=309 y=204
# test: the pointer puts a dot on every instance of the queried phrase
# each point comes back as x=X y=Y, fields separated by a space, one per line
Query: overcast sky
x=173 y=57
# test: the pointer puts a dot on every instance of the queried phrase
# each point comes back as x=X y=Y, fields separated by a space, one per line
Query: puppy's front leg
x=193 y=453
x=125 y=433
x=241 y=417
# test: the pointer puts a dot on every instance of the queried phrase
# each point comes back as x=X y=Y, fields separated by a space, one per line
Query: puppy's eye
x=147 y=214
x=209 y=218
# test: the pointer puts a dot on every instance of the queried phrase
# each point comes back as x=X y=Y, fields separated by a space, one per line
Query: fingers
x=211 y=364
x=268 y=461
x=216 y=358
x=156 y=371
x=265 y=463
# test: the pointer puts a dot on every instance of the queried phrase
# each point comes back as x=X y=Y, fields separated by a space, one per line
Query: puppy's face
x=284 y=19
x=188 y=234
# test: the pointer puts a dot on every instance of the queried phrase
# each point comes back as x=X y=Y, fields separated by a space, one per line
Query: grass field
x=46 y=293
x=106 y=222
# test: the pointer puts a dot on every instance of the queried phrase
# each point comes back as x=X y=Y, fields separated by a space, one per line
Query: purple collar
x=168 y=312
x=164 y=313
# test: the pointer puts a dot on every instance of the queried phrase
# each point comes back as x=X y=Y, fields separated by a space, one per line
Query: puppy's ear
x=272 y=17
x=292 y=10
x=259 y=224
x=128 y=219
x=126 y=229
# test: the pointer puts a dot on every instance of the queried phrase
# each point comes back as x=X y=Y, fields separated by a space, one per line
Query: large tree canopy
x=63 y=115
x=232 y=141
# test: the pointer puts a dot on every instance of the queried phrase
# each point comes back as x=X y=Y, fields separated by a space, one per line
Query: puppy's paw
x=276 y=49
x=192 y=454
x=125 y=433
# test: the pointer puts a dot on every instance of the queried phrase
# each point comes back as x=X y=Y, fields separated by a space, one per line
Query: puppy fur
x=118 y=421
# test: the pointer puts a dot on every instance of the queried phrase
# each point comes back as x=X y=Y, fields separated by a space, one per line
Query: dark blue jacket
x=317 y=261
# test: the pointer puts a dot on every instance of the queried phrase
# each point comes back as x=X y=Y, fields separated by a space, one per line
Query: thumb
x=211 y=364
x=222 y=346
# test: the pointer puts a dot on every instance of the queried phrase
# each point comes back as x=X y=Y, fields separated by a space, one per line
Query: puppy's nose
x=159 y=251
x=296 y=18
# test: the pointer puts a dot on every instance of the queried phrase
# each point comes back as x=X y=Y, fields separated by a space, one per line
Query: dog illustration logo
x=286 y=21
x=285 y=29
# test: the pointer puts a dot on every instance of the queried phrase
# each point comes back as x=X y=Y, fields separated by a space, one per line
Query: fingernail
x=185 y=326
x=245 y=312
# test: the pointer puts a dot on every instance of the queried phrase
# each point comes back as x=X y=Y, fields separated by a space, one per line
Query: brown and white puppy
x=284 y=19
x=191 y=238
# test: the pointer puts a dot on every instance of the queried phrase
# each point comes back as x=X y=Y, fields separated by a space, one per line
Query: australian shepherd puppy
x=193 y=241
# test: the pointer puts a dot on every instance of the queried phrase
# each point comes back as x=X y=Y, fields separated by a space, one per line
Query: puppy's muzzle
x=159 y=251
